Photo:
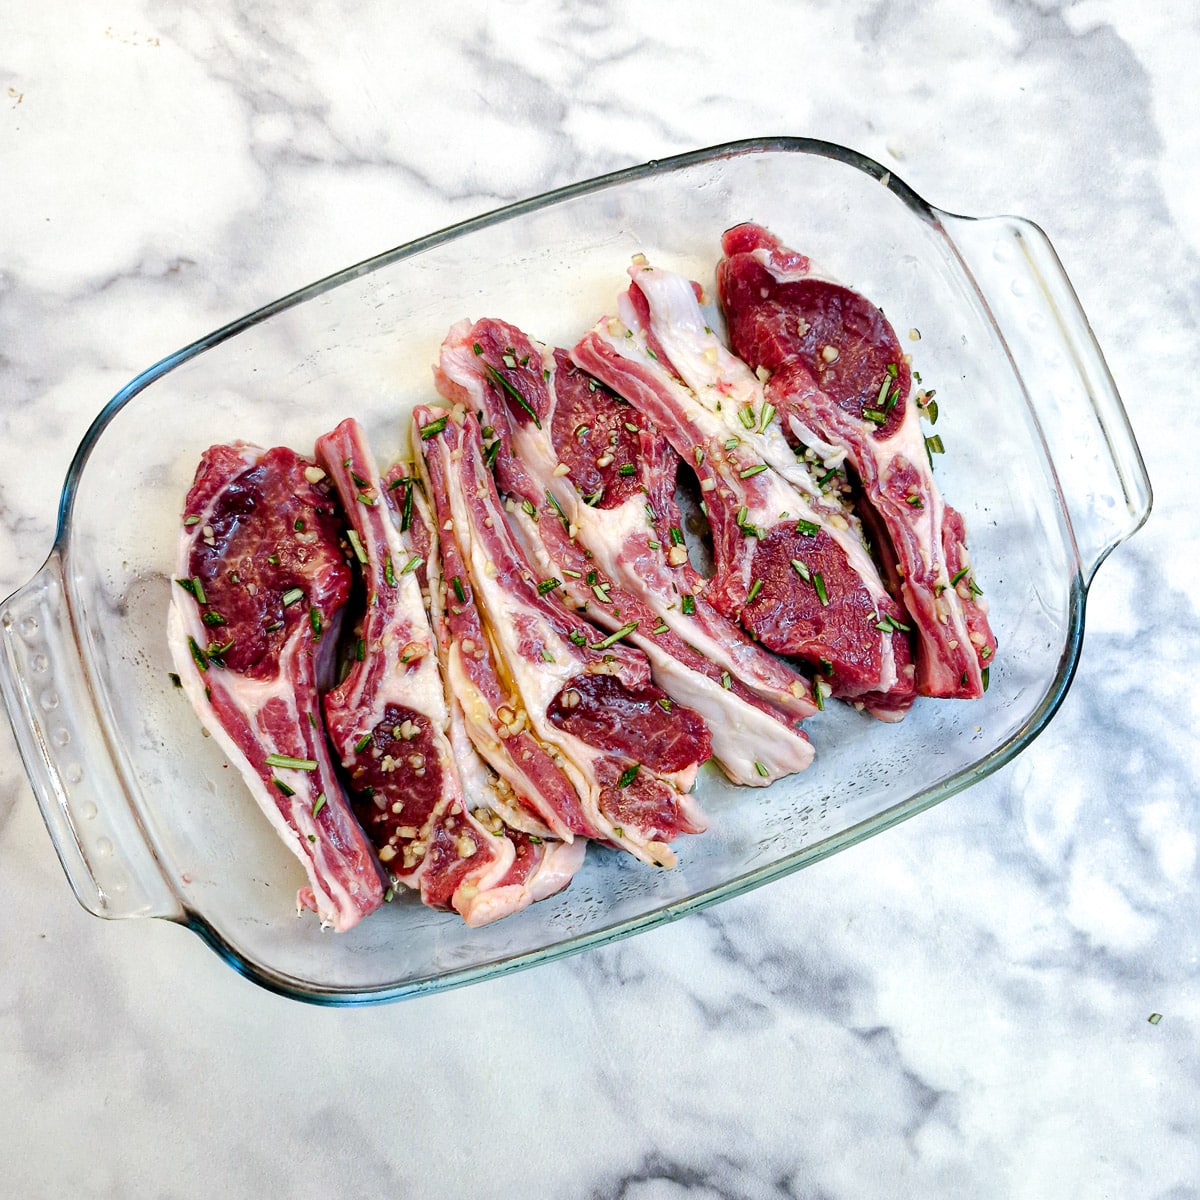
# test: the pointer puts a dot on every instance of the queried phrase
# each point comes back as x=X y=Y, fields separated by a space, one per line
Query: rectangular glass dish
x=150 y=821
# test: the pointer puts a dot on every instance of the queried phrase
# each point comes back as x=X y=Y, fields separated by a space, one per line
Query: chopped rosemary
x=314 y=620
x=215 y=652
x=291 y=596
x=362 y=743
x=548 y=585
x=294 y=764
x=676 y=535
x=726 y=680
x=754 y=470
x=497 y=377
x=407 y=508
x=614 y=638
x=761 y=769
x=459 y=594
x=802 y=570
x=412 y=564
x=389 y=572
x=434 y=427
x=746 y=416
x=212 y=617
x=562 y=516
x=192 y=520
x=491 y=454
x=576 y=638
x=360 y=650
x=356 y=545
x=661 y=627
x=755 y=588
x=283 y=787
x=958 y=575
x=477 y=348
x=687 y=602
x=808 y=528
x=626 y=469
x=198 y=654
x=819 y=583
x=194 y=588
x=628 y=776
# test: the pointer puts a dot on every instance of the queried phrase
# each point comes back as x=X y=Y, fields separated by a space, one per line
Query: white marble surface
x=956 y=1008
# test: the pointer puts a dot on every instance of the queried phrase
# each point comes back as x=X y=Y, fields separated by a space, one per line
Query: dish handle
x=80 y=789
x=1075 y=403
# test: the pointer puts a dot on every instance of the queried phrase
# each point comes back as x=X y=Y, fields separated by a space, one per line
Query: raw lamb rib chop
x=548 y=865
x=388 y=720
x=253 y=627
x=556 y=432
x=791 y=563
x=838 y=371
x=629 y=752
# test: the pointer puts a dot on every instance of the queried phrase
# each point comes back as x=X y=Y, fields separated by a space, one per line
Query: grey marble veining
x=957 y=1007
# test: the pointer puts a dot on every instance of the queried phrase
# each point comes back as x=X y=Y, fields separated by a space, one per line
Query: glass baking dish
x=150 y=821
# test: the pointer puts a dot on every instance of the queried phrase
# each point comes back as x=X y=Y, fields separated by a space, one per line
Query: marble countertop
x=956 y=1008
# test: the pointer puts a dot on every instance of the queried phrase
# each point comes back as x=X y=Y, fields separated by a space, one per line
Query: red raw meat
x=613 y=477
x=544 y=650
x=388 y=719
x=791 y=563
x=253 y=629
x=837 y=368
